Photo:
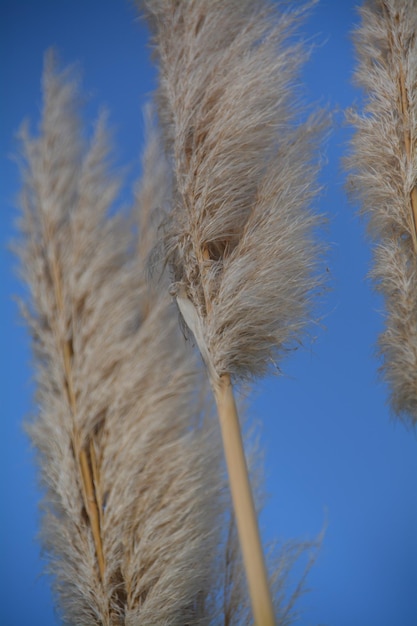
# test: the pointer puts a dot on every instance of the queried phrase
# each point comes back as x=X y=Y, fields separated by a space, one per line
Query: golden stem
x=92 y=508
x=244 y=508
x=404 y=106
x=96 y=482
x=407 y=144
x=90 y=501
x=205 y=256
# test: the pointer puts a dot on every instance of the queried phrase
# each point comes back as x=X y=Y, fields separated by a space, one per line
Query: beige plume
x=225 y=601
x=130 y=469
x=383 y=178
x=239 y=237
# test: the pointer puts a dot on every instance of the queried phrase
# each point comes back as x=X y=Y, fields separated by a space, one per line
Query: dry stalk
x=86 y=462
x=240 y=489
x=405 y=114
x=246 y=518
x=405 y=106
x=129 y=466
x=239 y=234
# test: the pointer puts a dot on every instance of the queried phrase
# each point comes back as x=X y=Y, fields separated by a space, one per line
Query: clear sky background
x=333 y=454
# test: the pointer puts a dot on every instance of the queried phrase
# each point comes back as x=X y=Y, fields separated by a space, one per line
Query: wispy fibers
x=239 y=236
x=383 y=166
x=225 y=600
x=129 y=468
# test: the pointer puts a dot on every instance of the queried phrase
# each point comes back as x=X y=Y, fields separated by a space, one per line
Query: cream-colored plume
x=225 y=600
x=131 y=472
x=239 y=236
x=383 y=168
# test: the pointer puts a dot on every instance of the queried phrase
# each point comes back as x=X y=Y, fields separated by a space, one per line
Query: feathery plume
x=383 y=178
x=239 y=235
x=129 y=469
x=224 y=601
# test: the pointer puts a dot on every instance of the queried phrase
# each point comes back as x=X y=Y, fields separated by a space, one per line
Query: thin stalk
x=407 y=143
x=404 y=106
x=85 y=464
x=243 y=504
x=244 y=508
x=91 y=507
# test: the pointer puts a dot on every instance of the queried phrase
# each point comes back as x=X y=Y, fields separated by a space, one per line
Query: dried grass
x=383 y=179
x=130 y=470
x=240 y=235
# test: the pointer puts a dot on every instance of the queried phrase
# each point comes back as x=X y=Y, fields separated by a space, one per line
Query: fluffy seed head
x=130 y=473
x=384 y=180
x=240 y=233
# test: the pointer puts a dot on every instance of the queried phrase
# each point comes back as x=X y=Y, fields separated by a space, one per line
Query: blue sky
x=333 y=454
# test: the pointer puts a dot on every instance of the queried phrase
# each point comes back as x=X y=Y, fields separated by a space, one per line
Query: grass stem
x=85 y=464
x=244 y=508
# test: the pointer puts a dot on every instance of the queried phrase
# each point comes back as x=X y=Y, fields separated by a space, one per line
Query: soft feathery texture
x=129 y=469
x=383 y=178
x=225 y=601
x=113 y=381
x=240 y=235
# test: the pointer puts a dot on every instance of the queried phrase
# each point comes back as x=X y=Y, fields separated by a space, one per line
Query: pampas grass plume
x=239 y=236
x=130 y=471
x=383 y=179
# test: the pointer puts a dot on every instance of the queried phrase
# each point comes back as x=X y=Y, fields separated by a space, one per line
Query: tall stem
x=244 y=508
x=86 y=465
x=243 y=505
x=405 y=114
x=408 y=149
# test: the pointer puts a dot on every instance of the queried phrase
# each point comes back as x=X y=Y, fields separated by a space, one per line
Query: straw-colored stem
x=85 y=464
x=91 y=506
x=407 y=143
x=244 y=508
x=97 y=492
x=405 y=106
x=246 y=519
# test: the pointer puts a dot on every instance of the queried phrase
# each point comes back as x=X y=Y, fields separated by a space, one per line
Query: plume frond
x=240 y=233
x=239 y=237
x=129 y=468
x=383 y=178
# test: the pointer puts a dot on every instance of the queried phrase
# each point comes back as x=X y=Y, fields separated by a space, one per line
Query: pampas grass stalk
x=383 y=179
x=226 y=602
x=239 y=235
x=130 y=469
x=245 y=512
x=230 y=590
